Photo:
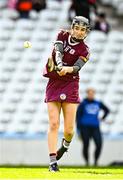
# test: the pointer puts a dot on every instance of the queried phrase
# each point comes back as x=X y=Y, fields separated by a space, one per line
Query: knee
x=69 y=130
x=54 y=126
x=99 y=145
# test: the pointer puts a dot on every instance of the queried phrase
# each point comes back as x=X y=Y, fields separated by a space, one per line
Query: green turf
x=103 y=173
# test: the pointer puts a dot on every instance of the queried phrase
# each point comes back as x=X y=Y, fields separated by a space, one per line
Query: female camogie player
x=69 y=55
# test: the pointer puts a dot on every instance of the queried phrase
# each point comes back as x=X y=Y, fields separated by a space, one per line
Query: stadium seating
x=116 y=4
x=22 y=86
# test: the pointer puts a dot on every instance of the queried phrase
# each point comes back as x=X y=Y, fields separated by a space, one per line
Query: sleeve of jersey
x=105 y=109
x=60 y=37
x=84 y=56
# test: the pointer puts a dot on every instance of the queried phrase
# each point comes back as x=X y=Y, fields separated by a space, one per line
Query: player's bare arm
x=65 y=70
x=75 y=68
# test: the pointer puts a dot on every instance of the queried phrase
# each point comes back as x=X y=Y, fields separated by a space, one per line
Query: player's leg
x=85 y=136
x=54 y=109
x=98 y=142
x=69 y=113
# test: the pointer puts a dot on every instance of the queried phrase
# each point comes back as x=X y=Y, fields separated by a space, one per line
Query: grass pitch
x=66 y=173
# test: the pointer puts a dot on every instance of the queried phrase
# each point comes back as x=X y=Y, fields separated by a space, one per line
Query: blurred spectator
x=92 y=3
x=88 y=124
x=38 y=5
x=81 y=8
x=101 y=23
x=24 y=7
x=12 y=4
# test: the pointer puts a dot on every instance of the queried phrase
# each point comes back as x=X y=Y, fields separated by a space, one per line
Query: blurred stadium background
x=23 y=113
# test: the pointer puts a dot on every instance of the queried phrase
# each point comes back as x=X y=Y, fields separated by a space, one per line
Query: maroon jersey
x=72 y=52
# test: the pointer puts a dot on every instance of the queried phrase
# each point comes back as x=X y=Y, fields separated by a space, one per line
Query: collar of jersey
x=72 y=43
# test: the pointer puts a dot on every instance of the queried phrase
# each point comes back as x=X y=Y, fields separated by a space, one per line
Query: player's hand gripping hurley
x=52 y=66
